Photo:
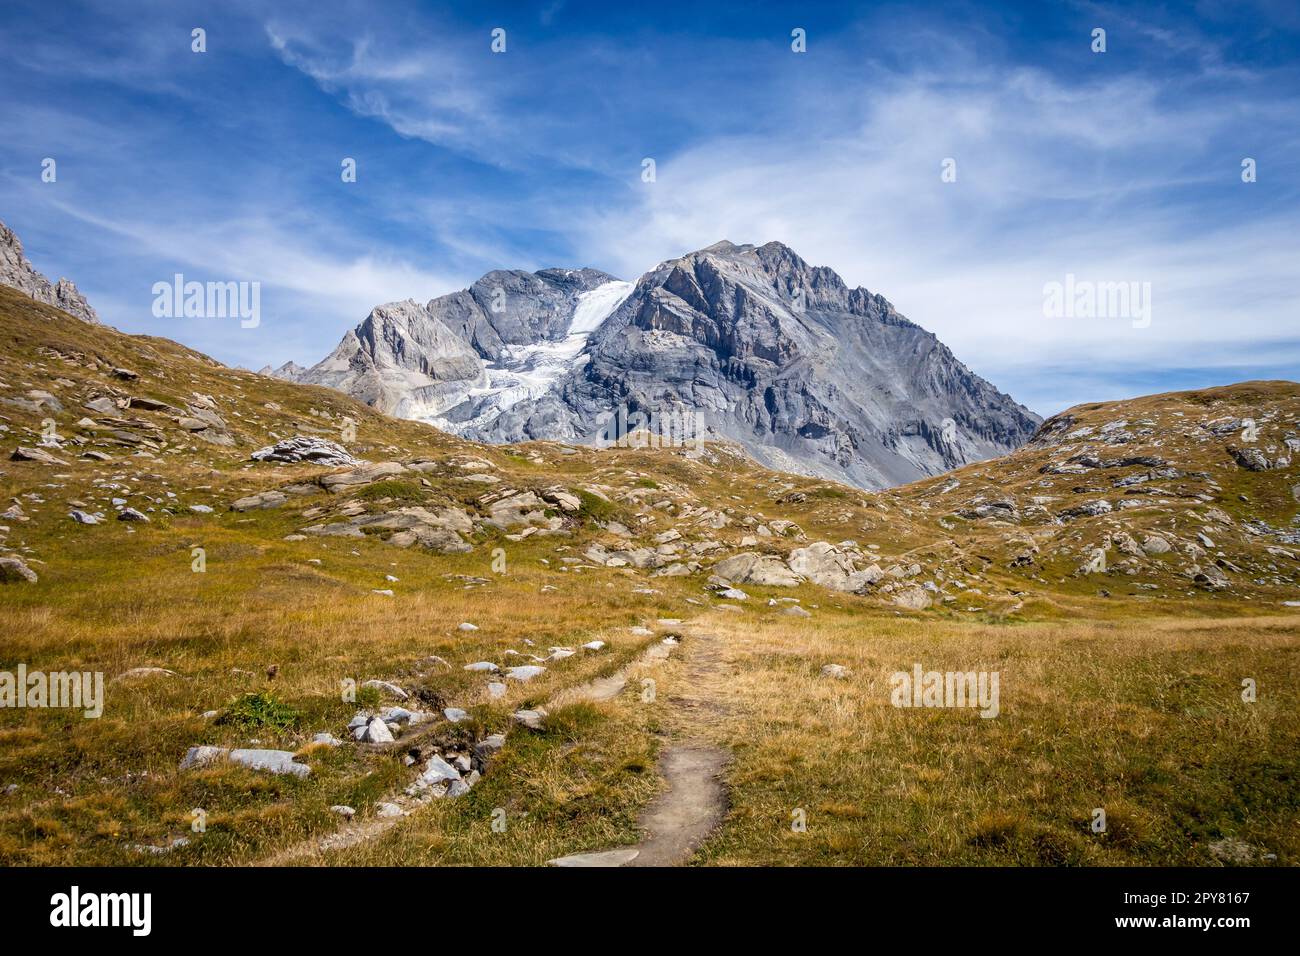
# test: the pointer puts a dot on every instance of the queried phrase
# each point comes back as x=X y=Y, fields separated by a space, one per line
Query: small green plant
x=594 y=506
x=368 y=698
x=393 y=488
x=263 y=709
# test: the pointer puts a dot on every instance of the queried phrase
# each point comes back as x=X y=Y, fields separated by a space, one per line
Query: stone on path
x=619 y=857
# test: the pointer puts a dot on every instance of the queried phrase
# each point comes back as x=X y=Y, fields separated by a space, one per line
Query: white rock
x=532 y=719
x=272 y=761
x=438 y=770
x=387 y=688
x=525 y=673
x=601 y=858
x=486 y=748
x=377 y=732
x=203 y=756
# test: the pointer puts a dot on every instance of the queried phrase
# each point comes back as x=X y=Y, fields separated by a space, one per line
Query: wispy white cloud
x=1042 y=190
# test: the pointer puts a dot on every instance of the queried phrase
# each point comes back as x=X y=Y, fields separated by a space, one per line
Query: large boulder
x=362 y=475
x=912 y=598
x=520 y=509
x=306 y=448
x=824 y=564
x=13 y=568
x=271 y=761
x=259 y=501
x=752 y=568
x=24 y=453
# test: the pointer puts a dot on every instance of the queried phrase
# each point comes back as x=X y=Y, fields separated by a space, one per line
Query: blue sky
x=1114 y=167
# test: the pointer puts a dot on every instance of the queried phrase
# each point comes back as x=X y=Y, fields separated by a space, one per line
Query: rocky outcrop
x=16 y=271
x=758 y=347
x=306 y=448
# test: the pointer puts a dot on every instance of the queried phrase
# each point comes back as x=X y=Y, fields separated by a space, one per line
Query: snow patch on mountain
x=528 y=371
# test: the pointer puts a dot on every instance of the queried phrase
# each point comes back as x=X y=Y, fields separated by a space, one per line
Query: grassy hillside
x=1121 y=688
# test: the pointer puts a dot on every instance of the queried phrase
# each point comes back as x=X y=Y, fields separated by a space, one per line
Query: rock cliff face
x=463 y=356
x=746 y=343
x=17 y=272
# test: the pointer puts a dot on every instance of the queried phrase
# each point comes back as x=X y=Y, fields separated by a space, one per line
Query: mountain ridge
x=749 y=339
x=17 y=271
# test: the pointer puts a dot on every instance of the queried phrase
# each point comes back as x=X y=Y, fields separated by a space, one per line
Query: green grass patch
x=260 y=710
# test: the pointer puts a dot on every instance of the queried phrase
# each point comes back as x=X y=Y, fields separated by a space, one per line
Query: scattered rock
x=22 y=453
x=361 y=475
x=272 y=761
x=1233 y=851
x=758 y=569
x=261 y=500
x=601 y=858
x=138 y=672
x=303 y=448
x=525 y=673
x=912 y=598
x=377 y=732
x=203 y=756
x=532 y=719
x=13 y=568
x=387 y=688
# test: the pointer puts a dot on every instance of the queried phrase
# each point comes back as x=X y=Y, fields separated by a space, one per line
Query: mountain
x=16 y=271
x=467 y=355
x=746 y=343
x=289 y=371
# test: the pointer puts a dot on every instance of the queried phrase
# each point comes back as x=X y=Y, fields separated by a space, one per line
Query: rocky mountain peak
x=761 y=348
x=16 y=271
